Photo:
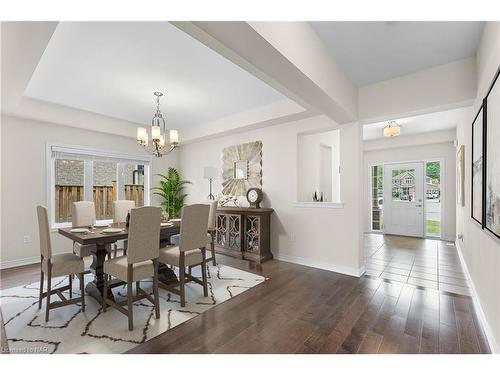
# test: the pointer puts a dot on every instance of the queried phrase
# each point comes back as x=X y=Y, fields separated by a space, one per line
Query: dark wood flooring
x=306 y=310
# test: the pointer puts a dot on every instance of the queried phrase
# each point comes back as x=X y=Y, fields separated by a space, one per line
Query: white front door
x=403 y=199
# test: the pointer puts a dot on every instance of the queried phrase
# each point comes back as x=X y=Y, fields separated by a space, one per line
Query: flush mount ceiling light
x=392 y=129
x=158 y=133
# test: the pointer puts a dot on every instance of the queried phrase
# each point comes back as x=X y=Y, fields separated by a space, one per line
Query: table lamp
x=210 y=173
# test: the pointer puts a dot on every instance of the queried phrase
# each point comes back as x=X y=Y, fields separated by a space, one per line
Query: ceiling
x=370 y=52
x=417 y=124
x=112 y=68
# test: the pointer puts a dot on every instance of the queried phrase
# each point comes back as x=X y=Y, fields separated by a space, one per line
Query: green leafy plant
x=171 y=191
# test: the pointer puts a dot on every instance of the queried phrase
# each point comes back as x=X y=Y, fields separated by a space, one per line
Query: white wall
x=321 y=237
x=23 y=159
x=480 y=250
x=309 y=165
x=390 y=154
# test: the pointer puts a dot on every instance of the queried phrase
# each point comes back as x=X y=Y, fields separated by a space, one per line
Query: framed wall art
x=492 y=158
x=477 y=202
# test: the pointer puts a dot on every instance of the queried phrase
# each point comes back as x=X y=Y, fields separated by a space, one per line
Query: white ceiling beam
x=440 y=88
x=289 y=56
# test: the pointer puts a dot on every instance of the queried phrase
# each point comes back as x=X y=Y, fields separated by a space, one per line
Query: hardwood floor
x=307 y=310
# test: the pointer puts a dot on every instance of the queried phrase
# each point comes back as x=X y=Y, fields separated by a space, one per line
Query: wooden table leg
x=95 y=287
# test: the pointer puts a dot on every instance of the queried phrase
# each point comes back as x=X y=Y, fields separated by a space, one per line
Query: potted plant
x=171 y=191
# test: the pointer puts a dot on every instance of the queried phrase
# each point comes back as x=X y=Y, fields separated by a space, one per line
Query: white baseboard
x=19 y=262
x=321 y=265
x=477 y=304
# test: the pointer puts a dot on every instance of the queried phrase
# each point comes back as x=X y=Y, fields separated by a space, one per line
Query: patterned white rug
x=70 y=330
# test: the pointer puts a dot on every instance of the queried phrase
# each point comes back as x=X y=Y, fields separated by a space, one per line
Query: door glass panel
x=377 y=174
x=433 y=198
x=403 y=185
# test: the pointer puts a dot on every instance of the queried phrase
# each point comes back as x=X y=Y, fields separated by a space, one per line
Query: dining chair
x=141 y=262
x=57 y=265
x=212 y=217
x=191 y=250
x=83 y=215
x=121 y=208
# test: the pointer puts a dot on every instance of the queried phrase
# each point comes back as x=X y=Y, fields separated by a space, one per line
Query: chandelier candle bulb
x=155 y=133
x=174 y=136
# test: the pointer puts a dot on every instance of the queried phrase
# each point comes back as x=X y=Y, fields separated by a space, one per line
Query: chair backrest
x=121 y=209
x=144 y=234
x=212 y=214
x=194 y=226
x=44 y=232
x=83 y=214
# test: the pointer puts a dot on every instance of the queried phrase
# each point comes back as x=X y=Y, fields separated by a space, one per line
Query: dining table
x=98 y=236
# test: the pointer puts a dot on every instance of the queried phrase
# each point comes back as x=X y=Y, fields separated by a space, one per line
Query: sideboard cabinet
x=244 y=233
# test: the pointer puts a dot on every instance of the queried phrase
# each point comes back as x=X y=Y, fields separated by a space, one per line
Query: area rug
x=70 y=330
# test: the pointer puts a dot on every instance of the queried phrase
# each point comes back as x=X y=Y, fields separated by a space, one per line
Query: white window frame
x=88 y=175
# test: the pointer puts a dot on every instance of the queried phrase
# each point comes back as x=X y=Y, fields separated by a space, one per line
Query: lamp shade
x=210 y=172
x=392 y=129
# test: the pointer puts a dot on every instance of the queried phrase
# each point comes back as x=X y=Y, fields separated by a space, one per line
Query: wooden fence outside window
x=103 y=197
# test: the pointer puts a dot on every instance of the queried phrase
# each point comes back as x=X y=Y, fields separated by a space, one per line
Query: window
x=433 y=198
x=377 y=185
x=77 y=174
x=403 y=185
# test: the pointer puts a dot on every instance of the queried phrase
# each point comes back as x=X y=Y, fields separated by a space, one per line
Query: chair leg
x=182 y=281
x=82 y=290
x=212 y=247
x=41 y=291
x=155 y=289
x=70 y=277
x=129 y=298
x=49 y=277
x=204 y=272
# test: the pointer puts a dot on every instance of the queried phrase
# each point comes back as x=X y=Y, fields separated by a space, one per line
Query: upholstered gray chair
x=141 y=261
x=121 y=208
x=175 y=239
x=191 y=249
x=57 y=265
x=83 y=215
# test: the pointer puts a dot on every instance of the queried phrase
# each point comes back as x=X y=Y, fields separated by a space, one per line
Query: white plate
x=112 y=230
x=79 y=230
x=101 y=225
x=167 y=224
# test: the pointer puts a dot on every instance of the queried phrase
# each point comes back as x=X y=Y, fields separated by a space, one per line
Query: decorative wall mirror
x=241 y=168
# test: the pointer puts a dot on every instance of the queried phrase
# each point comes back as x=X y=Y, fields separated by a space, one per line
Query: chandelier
x=392 y=129
x=158 y=134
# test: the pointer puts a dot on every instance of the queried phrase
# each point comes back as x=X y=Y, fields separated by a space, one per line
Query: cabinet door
x=234 y=232
x=252 y=234
x=228 y=231
x=221 y=230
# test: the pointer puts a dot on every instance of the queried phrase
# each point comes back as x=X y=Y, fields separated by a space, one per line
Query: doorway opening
x=406 y=198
